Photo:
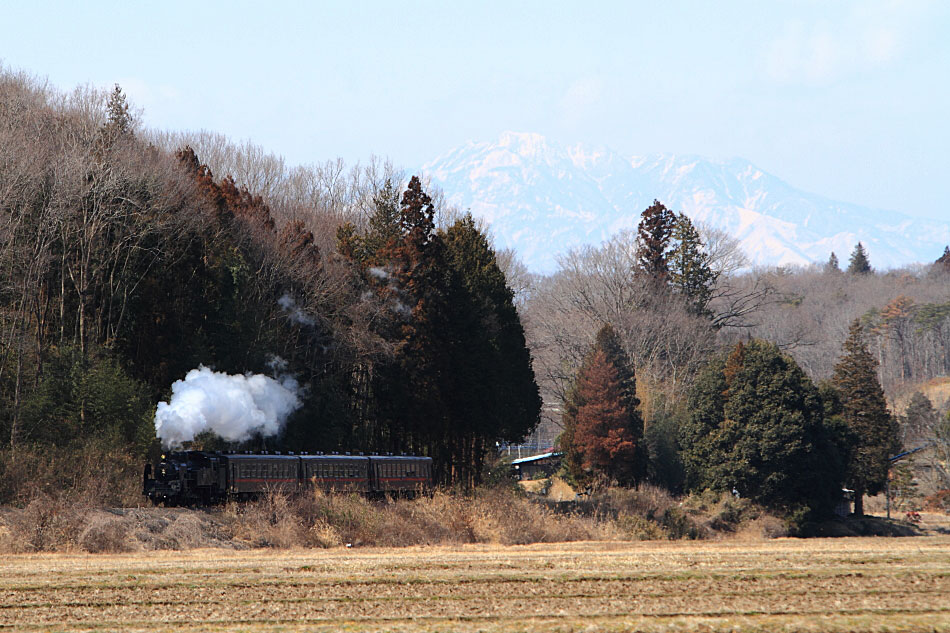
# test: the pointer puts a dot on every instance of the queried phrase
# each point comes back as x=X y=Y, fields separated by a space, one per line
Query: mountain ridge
x=542 y=199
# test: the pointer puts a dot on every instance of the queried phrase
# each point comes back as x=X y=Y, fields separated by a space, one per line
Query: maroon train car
x=201 y=477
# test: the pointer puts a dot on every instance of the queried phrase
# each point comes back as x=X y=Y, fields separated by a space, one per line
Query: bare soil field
x=846 y=584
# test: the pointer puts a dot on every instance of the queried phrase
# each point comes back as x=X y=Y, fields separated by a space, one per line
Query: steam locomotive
x=204 y=478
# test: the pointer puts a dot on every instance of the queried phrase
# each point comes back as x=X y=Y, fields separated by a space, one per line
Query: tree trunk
x=859 y=501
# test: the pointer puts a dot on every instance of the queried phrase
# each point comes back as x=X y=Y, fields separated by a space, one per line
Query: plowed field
x=801 y=585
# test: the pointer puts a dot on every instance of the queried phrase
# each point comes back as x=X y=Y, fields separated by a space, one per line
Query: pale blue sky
x=847 y=99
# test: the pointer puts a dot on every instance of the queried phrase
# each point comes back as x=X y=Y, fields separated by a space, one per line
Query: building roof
x=534 y=458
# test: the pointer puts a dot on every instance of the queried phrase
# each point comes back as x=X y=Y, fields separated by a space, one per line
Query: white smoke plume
x=379 y=273
x=294 y=312
x=235 y=407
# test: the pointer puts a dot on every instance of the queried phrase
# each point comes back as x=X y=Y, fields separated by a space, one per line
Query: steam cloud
x=294 y=312
x=235 y=407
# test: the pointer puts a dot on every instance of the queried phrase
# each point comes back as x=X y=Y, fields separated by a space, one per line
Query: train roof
x=326 y=456
x=400 y=457
x=257 y=456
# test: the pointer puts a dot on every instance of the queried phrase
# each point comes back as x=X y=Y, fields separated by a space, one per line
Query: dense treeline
x=768 y=384
x=125 y=262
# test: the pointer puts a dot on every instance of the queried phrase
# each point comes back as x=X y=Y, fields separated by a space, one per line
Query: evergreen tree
x=832 y=266
x=384 y=223
x=505 y=403
x=119 y=120
x=600 y=431
x=609 y=341
x=83 y=398
x=690 y=274
x=411 y=407
x=653 y=240
x=943 y=262
x=919 y=420
x=603 y=429
x=756 y=424
x=864 y=410
x=858 y=264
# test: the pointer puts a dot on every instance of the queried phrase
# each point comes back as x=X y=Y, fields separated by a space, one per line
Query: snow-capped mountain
x=543 y=199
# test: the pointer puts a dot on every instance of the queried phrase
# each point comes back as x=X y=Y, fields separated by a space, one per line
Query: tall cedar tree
x=603 y=429
x=508 y=400
x=756 y=424
x=411 y=408
x=690 y=274
x=601 y=435
x=864 y=410
x=609 y=341
x=858 y=264
x=653 y=240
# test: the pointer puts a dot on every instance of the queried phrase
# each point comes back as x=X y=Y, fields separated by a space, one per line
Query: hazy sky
x=847 y=99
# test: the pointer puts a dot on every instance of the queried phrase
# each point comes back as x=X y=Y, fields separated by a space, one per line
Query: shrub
x=106 y=537
x=92 y=474
x=938 y=502
x=48 y=523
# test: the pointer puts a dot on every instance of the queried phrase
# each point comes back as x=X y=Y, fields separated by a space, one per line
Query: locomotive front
x=164 y=483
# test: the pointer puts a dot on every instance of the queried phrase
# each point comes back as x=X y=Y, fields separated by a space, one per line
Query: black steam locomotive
x=202 y=478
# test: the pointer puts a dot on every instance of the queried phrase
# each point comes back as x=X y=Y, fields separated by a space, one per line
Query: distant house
x=537 y=465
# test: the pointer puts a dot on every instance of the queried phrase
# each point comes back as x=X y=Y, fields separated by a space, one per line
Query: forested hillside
x=126 y=262
x=137 y=265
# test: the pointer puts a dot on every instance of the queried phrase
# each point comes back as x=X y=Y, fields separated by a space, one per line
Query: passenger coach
x=201 y=477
